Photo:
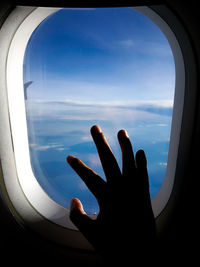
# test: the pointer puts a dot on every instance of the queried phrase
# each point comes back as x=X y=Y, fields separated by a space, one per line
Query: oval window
x=108 y=66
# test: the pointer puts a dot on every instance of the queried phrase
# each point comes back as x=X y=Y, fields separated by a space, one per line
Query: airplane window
x=112 y=67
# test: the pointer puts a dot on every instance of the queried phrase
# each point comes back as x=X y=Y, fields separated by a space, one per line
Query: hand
x=125 y=222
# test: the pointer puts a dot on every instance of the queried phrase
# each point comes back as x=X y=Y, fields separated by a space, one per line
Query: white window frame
x=26 y=198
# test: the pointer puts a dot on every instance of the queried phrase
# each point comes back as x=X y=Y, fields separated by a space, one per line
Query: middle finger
x=108 y=161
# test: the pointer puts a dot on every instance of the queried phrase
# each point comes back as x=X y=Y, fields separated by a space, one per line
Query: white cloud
x=128 y=43
x=151 y=48
x=120 y=103
x=93 y=160
x=60 y=148
x=84 y=110
x=86 y=138
x=46 y=147
x=162 y=163
x=72 y=119
x=162 y=125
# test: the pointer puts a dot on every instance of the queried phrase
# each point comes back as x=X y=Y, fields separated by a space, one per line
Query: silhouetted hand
x=125 y=223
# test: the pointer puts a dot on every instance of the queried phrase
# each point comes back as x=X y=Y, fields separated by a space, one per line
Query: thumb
x=78 y=216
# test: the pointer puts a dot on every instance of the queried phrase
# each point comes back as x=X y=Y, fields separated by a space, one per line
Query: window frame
x=22 y=205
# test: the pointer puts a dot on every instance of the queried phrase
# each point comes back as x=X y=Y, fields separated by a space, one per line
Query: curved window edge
x=161 y=199
x=23 y=205
x=13 y=194
x=183 y=114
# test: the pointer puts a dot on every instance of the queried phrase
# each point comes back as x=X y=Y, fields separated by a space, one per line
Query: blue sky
x=111 y=67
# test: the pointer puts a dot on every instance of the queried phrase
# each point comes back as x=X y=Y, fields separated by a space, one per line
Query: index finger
x=93 y=181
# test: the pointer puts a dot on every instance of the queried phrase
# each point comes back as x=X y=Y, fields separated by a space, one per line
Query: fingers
x=141 y=160
x=108 y=161
x=141 y=163
x=76 y=206
x=81 y=220
x=93 y=181
x=128 y=162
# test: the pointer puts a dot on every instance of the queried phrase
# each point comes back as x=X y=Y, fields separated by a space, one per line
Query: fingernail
x=70 y=159
x=123 y=133
x=96 y=129
x=126 y=134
